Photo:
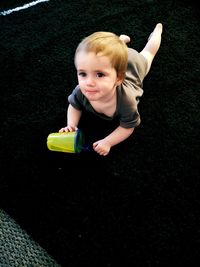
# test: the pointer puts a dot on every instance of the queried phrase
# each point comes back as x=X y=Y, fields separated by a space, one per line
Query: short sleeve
x=76 y=98
x=130 y=117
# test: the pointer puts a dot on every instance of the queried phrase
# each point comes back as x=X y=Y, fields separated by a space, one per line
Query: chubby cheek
x=79 y=80
x=81 y=83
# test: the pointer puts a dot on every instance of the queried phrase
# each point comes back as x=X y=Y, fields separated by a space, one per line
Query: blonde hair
x=107 y=44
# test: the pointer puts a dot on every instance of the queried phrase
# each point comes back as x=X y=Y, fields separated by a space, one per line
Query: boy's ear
x=120 y=79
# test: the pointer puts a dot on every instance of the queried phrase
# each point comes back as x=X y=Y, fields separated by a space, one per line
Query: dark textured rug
x=140 y=205
x=17 y=249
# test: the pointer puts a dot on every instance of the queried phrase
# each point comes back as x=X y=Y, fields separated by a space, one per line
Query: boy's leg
x=153 y=44
x=124 y=38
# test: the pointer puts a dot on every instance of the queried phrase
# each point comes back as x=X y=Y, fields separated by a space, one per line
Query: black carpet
x=140 y=205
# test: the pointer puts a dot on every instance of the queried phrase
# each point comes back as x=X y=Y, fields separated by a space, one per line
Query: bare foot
x=125 y=38
x=157 y=29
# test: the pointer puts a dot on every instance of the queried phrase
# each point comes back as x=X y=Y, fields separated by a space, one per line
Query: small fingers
x=67 y=129
x=99 y=150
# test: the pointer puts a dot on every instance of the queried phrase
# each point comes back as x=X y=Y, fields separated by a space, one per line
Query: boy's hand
x=102 y=147
x=68 y=129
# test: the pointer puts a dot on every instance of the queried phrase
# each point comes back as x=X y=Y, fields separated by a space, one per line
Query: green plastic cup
x=68 y=142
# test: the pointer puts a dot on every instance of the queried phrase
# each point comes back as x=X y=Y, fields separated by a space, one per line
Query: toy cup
x=69 y=142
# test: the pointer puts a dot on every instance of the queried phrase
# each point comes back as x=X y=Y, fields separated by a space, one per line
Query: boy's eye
x=100 y=74
x=82 y=74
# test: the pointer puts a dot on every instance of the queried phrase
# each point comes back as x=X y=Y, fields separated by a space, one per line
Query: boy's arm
x=73 y=117
x=103 y=146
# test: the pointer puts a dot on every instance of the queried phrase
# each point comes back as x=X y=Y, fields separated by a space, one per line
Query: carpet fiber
x=17 y=249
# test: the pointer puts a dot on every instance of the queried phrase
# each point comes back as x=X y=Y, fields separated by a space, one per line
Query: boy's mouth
x=91 y=91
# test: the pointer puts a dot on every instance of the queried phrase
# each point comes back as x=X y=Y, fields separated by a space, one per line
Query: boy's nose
x=90 y=81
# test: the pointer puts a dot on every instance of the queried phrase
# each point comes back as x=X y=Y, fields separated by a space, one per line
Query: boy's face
x=96 y=76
